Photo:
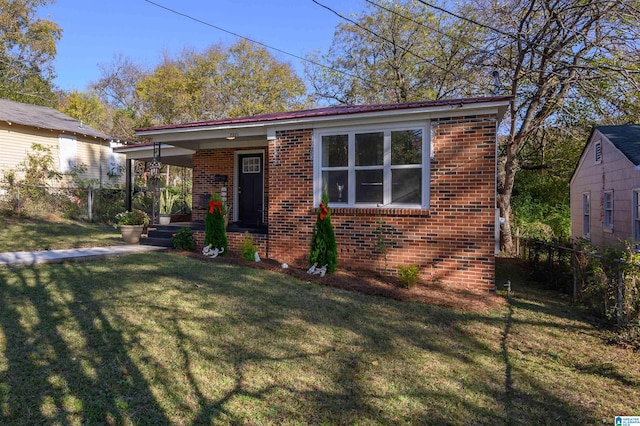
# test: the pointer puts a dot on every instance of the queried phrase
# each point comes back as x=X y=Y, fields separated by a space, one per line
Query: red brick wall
x=291 y=196
x=452 y=242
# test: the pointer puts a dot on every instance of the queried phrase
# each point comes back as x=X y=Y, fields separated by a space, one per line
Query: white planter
x=164 y=219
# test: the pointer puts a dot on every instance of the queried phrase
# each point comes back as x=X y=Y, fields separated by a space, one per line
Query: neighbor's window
x=67 y=151
x=586 y=214
x=375 y=168
x=636 y=215
x=608 y=209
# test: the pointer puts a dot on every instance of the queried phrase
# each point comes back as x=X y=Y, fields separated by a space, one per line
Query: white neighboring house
x=71 y=142
x=605 y=187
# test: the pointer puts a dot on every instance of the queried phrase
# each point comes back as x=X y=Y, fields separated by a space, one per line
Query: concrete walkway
x=26 y=258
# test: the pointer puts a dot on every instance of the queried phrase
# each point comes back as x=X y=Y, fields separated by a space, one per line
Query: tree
x=117 y=89
x=27 y=50
x=240 y=80
x=396 y=52
x=86 y=107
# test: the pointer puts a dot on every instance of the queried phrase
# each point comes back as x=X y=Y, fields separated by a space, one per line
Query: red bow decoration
x=215 y=205
x=323 y=211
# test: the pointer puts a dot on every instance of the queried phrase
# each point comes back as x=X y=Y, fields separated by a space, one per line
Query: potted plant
x=131 y=224
x=167 y=201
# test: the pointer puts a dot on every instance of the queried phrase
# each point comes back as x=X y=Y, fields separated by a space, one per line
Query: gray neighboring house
x=71 y=142
x=605 y=187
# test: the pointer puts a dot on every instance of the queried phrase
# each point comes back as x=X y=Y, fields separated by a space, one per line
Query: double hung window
x=608 y=210
x=382 y=167
x=586 y=214
x=636 y=215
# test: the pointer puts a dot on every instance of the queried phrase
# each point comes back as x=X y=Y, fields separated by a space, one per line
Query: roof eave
x=497 y=106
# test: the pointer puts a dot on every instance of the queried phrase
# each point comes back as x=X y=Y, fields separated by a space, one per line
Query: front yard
x=167 y=339
x=52 y=232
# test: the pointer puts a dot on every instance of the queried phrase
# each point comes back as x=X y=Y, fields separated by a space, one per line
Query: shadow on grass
x=162 y=339
x=80 y=375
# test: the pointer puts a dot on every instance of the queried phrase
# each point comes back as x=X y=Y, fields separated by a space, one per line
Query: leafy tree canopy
x=240 y=80
x=27 y=50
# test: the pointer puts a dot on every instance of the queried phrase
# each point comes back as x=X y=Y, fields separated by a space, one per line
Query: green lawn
x=165 y=339
x=32 y=234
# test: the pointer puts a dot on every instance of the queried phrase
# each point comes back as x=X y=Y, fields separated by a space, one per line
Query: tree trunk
x=506 y=180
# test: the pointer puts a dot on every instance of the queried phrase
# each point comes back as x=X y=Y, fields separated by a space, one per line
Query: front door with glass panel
x=250 y=189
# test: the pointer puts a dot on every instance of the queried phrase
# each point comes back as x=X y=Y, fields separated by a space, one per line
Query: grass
x=31 y=234
x=165 y=339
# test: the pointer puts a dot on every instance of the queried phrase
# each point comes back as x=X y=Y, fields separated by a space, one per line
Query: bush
x=184 y=240
x=324 y=250
x=248 y=247
x=215 y=234
x=408 y=275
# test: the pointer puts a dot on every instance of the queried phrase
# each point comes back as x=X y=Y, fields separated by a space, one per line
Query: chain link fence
x=88 y=204
x=606 y=280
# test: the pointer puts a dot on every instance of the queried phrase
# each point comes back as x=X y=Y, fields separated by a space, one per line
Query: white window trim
x=351 y=168
x=605 y=225
x=587 y=196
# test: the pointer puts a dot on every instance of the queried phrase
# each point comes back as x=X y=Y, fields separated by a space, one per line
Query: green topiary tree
x=215 y=233
x=324 y=250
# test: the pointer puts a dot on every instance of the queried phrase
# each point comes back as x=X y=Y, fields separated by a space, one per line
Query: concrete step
x=155 y=241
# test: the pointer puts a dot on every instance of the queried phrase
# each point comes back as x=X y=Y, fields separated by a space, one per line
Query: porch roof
x=169 y=154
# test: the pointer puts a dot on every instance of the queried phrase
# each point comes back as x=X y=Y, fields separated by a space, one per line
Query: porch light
x=232 y=136
x=154 y=168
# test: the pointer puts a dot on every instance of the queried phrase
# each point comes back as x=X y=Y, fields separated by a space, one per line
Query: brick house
x=605 y=187
x=411 y=183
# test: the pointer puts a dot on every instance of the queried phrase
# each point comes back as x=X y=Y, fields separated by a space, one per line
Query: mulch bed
x=371 y=283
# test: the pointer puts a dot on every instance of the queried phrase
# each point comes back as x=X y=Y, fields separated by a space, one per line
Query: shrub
x=408 y=275
x=248 y=247
x=184 y=240
x=215 y=234
x=324 y=250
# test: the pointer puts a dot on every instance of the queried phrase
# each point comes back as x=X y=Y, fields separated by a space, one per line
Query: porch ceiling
x=172 y=155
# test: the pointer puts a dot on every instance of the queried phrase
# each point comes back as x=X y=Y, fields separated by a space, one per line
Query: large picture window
x=375 y=168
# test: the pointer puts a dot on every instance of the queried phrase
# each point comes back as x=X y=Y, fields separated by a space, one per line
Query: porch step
x=160 y=235
x=155 y=241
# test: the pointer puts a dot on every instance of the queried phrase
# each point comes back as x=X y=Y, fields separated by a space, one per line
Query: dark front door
x=250 y=189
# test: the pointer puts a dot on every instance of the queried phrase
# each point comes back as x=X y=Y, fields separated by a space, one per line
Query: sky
x=97 y=31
